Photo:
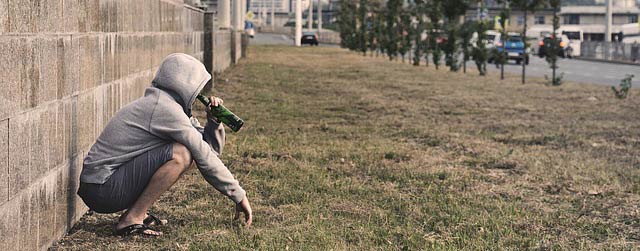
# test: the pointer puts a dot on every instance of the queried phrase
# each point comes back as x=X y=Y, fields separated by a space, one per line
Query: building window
x=520 y=20
x=538 y=20
x=572 y=19
x=633 y=19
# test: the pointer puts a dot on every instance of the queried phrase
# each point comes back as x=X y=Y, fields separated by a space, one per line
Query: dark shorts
x=125 y=185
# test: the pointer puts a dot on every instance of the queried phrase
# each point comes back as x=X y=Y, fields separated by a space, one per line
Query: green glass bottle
x=223 y=114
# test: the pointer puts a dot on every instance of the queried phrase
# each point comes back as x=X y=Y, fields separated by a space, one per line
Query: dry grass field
x=345 y=152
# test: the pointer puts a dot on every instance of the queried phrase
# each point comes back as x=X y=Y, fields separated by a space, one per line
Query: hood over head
x=183 y=77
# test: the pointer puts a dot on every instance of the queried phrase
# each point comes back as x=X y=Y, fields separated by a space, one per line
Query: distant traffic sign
x=250 y=15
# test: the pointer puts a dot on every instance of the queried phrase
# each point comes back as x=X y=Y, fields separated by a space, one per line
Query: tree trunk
x=524 y=39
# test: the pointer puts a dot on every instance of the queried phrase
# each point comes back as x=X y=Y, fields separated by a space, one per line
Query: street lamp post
x=298 y=23
x=310 y=17
x=319 y=16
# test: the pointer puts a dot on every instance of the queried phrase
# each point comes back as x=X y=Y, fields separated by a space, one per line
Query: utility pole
x=503 y=37
x=524 y=40
x=298 y=23
x=310 y=17
x=273 y=15
x=319 y=16
x=607 y=30
x=607 y=35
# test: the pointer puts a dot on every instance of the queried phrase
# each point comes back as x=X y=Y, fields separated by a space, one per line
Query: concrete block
x=98 y=112
x=30 y=72
x=68 y=66
x=49 y=16
x=104 y=20
x=19 y=139
x=128 y=15
x=94 y=22
x=46 y=217
x=4 y=161
x=82 y=10
x=55 y=136
x=4 y=5
x=121 y=56
x=61 y=135
x=11 y=85
x=37 y=145
x=22 y=16
x=71 y=127
x=86 y=123
x=90 y=61
x=109 y=52
x=48 y=61
x=9 y=224
x=156 y=13
x=28 y=237
x=20 y=73
x=77 y=207
x=62 y=195
x=119 y=16
x=71 y=16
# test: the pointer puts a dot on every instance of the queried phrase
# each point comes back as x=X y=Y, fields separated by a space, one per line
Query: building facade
x=280 y=6
x=590 y=19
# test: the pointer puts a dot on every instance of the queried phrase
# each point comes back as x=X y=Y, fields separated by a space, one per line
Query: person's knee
x=181 y=155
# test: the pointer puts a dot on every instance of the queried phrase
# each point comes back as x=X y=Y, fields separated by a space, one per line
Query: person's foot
x=127 y=220
x=136 y=229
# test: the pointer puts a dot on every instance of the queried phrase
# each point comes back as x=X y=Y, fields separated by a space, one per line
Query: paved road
x=271 y=39
x=579 y=71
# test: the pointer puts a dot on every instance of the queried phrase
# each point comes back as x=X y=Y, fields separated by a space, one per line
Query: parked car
x=492 y=38
x=310 y=38
x=564 y=43
x=514 y=47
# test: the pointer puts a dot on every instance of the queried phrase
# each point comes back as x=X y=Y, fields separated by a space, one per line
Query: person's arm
x=213 y=133
x=172 y=124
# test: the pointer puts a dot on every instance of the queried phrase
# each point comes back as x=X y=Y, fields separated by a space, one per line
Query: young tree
x=526 y=6
x=466 y=33
x=552 y=52
x=453 y=9
x=392 y=25
x=434 y=12
x=347 y=24
x=363 y=27
x=373 y=36
x=381 y=39
x=502 y=54
x=480 y=51
x=405 y=34
x=418 y=29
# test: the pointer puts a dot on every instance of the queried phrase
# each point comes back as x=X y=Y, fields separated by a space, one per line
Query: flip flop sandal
x=153 y=220
x=135 y=229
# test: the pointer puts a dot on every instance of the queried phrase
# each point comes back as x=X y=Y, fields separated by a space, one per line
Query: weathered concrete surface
x=66 y=68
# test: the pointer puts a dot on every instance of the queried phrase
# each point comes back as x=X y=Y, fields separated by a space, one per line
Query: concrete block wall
x=66 y=68
x=221 y=50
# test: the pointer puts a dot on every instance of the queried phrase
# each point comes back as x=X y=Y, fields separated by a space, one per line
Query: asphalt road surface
x=574 y=70
x=579 y=71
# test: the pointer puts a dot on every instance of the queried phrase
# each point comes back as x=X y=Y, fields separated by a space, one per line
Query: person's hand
x=244 y=207
x=215 y=101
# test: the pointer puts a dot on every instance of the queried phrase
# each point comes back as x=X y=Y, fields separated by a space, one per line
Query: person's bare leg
x=160 y=182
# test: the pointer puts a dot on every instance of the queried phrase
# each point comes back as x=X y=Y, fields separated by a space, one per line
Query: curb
x=607 y=61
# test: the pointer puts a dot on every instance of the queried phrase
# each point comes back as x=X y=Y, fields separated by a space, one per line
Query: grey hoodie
x=159 y=118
